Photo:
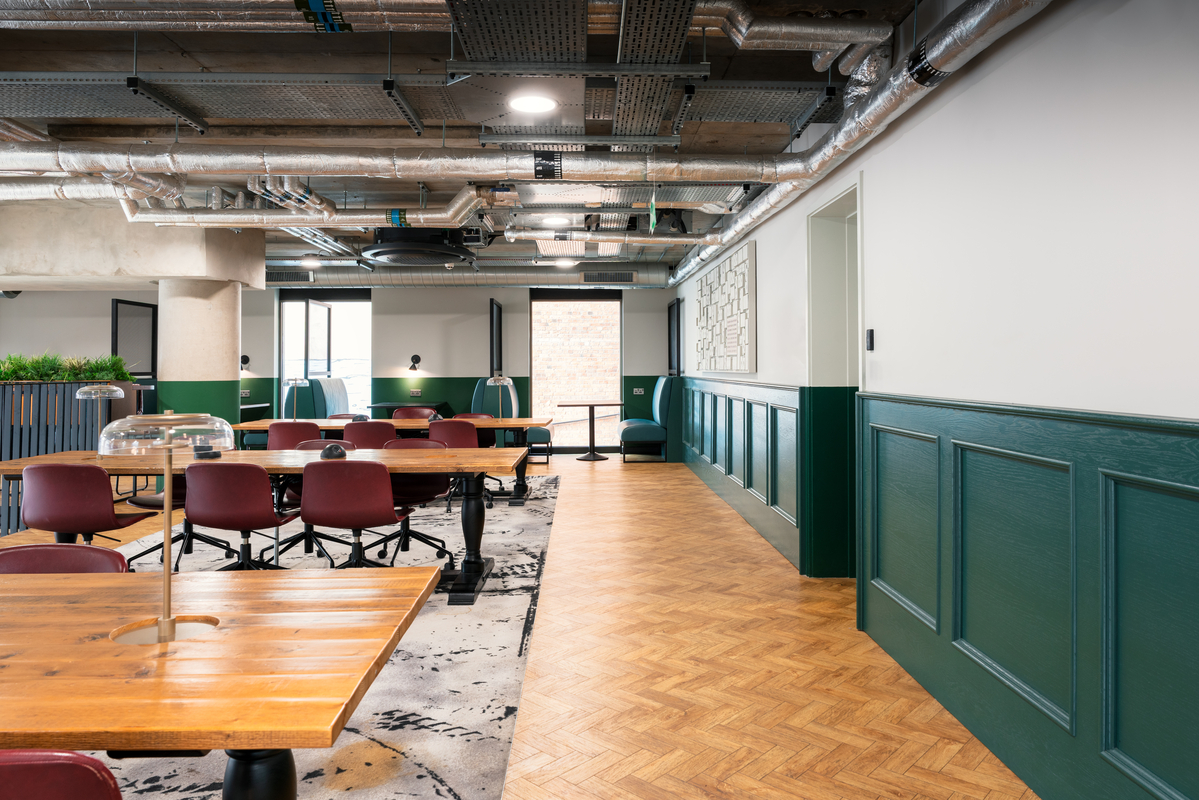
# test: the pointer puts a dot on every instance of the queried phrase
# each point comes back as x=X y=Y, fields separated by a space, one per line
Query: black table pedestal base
x=464 y=585
x=260 y=775
x=592 y=457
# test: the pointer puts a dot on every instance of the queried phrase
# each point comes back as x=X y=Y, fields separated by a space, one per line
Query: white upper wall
x=67 y=323
x=1014 y=249
x=448 y=329
x=260 y=332
x=644 y=330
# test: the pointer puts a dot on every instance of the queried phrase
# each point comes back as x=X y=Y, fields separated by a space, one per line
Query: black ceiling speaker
x=418 y=247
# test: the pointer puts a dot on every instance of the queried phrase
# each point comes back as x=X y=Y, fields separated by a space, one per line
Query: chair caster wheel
x=491 y=505
x=383 y=553
x=442 y=554
x=229 y=554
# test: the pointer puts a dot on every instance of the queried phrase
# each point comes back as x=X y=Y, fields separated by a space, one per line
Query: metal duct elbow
x=824 y=59
x=168 y=187
x=963 y=33
x=854 y=56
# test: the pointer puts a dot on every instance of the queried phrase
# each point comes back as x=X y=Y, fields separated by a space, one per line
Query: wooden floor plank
x=676 y=655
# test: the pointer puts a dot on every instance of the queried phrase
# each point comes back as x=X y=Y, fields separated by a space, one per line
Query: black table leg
x=591 y=455
x=465 y=583
x=260 y=775
x=521 y=489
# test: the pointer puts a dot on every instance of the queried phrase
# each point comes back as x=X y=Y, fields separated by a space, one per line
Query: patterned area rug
x=438 y=720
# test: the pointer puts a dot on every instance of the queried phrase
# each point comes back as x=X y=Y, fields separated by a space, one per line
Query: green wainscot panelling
x=262 y=390
x=639 y=406
x=1063 y=629
x=827 y=513
x=455 y=391
x=906 y=485
x=218 y=398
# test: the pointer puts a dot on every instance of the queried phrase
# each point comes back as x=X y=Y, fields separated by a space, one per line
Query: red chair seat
x=285 y=434
x=54 y=775
x=371 y=434
x=486 y=436
x=231 y=497
x=71 y=499
x=42 y=559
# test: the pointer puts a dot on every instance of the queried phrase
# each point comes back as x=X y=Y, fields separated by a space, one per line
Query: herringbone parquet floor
x=676 y=654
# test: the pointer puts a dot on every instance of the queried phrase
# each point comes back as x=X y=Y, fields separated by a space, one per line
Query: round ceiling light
x=310 y=262
x=555 y=222
x=564 y=262
x=533 y=104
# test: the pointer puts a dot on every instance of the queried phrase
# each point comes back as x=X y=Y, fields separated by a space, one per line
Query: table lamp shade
x=504 y=389
x=145 y=434
x=104 y=391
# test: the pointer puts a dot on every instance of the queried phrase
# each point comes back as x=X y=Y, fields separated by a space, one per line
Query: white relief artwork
x=726 y=305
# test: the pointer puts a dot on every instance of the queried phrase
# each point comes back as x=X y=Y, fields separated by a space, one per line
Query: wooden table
x=471 y=464
x=293 y=655
x=518 y=425
x=590 y=455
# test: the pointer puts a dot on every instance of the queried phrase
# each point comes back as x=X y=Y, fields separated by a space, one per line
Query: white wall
x=448 y=329
x=781 y=315
x=67 y=323
x=260 y=332
x=644 y=330
x=1014 y=249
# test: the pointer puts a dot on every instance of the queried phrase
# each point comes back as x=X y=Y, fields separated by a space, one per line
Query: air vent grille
x=608 y=277
x=295 y=276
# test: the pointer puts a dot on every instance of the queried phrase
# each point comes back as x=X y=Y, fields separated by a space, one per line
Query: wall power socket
x=638 y=390
x=414 y=392
x=245 y=393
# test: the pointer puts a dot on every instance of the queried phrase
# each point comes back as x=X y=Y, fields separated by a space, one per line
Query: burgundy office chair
x=456 y=433
x=72 y=500
x=54 y=775
x=370 y=435
x=187 y=539
x=418 y=490
x=346 y=416
x=292 y=497
x=234 y=497
x=349 y=494
x=486 y=435
x=414 y=412
x=486 y=439
x=285 y=434
x=39 y=559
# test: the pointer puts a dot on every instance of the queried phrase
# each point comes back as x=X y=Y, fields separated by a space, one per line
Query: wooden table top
x=261 y=425
x=461 y=461
x=586 y=405
x=294 y=654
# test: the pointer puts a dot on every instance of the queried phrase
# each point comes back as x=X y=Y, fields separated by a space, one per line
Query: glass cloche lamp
x=149 y=435
x=504 y=388
x=99 y=392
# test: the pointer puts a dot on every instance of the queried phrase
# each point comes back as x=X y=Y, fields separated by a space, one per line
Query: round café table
x=590 y=455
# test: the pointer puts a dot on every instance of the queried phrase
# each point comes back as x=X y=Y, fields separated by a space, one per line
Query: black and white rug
x=438 y=720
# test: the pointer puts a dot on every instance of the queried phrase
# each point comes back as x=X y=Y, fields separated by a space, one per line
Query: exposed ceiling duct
x=13 y=131
x=961 y=35
x=615 y=275
x=661 y=240
x=733 y=18
x=455 y=214
x=79 y=188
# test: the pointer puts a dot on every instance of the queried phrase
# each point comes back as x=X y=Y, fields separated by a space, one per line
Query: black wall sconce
x=415 y=363
x=245 y=361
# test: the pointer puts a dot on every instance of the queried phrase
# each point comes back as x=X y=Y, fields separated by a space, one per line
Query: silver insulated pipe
x=613 y=275
x=965 y=32
x=618 y=237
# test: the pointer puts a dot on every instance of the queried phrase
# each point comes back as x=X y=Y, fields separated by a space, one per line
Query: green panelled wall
x=262 y=390
x=1038 y=571
x=218 y=398
x=455 y=391
x=638 y=406
x=783 y=458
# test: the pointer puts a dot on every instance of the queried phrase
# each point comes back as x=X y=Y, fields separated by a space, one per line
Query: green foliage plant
x=53 y=367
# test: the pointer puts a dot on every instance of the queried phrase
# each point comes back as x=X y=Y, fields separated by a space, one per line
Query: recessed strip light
x=555 y=222
x=533 y=104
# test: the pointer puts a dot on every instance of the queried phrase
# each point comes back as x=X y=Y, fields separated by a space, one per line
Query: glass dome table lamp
x=146 y=436
x=99 y=392
x=504 y=386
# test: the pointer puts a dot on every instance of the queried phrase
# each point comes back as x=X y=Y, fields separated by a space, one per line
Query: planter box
x=39 y=418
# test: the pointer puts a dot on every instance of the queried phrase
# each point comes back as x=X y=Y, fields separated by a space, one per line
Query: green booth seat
x=320 y=399
x=641 y=432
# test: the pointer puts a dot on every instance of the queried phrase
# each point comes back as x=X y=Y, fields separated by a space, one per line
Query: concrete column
x=199 y=341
